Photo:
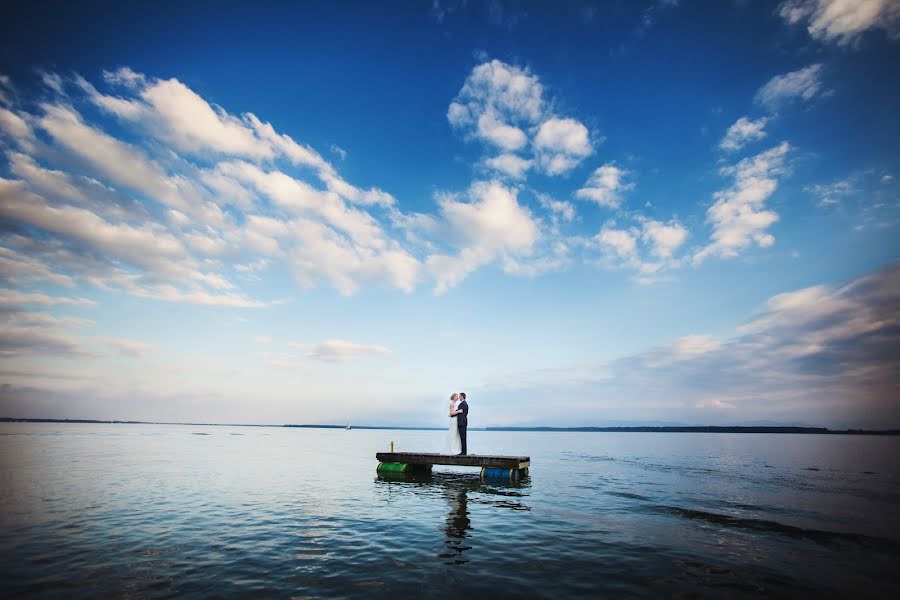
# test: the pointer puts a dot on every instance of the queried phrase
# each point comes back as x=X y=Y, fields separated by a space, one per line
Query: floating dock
x=511 y=467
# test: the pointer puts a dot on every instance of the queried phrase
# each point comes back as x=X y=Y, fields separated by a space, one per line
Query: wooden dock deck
x=469 y=460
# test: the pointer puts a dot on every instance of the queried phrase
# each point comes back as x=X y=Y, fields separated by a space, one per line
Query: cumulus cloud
x=742 y=132
x=842 y=21
x=503 y=106
x=802 y=84
x=561 y=144
x=605 y=186
x=621 y=242
x=344 y=351
x=738 y=215
x=663 y=238
x=560 y=210
x=510 y=164
x=647 y=247
x=494 y=98
x=491 y=225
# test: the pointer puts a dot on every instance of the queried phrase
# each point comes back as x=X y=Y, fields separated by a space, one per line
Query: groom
x=462 y=421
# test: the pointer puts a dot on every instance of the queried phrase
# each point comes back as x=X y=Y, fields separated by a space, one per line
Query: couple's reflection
x=462 y=492
x=458 y=524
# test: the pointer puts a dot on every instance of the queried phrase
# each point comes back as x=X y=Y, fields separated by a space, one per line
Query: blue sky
x=585 y=213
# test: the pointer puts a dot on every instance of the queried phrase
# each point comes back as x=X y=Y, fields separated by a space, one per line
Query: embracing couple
x=459 y=421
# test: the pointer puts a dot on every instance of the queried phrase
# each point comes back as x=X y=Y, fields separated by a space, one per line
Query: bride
x=453 y=444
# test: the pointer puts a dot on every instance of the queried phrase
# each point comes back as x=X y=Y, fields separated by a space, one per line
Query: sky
x=580 y=213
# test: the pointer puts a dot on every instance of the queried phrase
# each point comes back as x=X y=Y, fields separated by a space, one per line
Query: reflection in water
x=458 y=522
x=459 y=490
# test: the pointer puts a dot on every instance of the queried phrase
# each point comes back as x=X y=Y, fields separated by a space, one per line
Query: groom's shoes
x=462 y=454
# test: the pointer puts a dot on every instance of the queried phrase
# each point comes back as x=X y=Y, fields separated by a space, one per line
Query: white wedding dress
x=453 y=445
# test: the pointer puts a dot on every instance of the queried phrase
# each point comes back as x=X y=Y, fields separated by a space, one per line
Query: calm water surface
x=154 y=510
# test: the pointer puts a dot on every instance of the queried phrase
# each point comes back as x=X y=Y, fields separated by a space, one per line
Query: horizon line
x=534 y=428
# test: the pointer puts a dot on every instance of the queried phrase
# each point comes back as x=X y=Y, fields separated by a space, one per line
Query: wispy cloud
x=742 y=132
x=825 y=355
x=842 y=21
x=803 y=84
x=605 y=186
x=130 y=348
x=344 y=351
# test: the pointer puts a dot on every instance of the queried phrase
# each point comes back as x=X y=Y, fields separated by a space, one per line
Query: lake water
x=156 y=510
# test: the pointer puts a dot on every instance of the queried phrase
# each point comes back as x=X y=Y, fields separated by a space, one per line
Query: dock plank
x=469 y=460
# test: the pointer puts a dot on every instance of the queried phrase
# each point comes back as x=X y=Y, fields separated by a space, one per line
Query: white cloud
x=620 y=242
x=502 y=105
x=7 y=91
x=8 y=297
x=178 y=115
x=742 y=132
x=507 y=93
x=561 y=145
x=343 y=351
x=492 y=225
x=301 y=198
x=149 y=247
x=842 y=21
x=605 y=186
x=320 y=252
x=125 y=76
x=824 y=356
x=37 y=334
x=835 y=192
x=130 y=348
x=16 y=268
x=506 y=137
x=803 y=84
x=15 y=341
x=738 y=216
x=663 y=238
x=119 y=162
x=493 y=221
x=16 y=127
x=340 y=152
x=647 y=247
x=692 y=346
x=175 y=114
x=119 y=245
x=510 y=164
x=559 y=209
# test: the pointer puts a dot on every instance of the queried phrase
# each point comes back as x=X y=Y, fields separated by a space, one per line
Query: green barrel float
x=496 y=473
x=391 y=467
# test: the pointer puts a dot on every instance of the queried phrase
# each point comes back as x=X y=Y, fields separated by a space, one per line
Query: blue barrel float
x=507 y=474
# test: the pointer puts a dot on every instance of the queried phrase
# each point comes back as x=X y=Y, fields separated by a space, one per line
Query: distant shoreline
x=635 y=429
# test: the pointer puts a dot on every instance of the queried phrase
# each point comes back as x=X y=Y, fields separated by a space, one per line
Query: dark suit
x=462 y=422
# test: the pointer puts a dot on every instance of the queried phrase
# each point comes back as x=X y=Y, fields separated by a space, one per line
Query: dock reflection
x=462 y=492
